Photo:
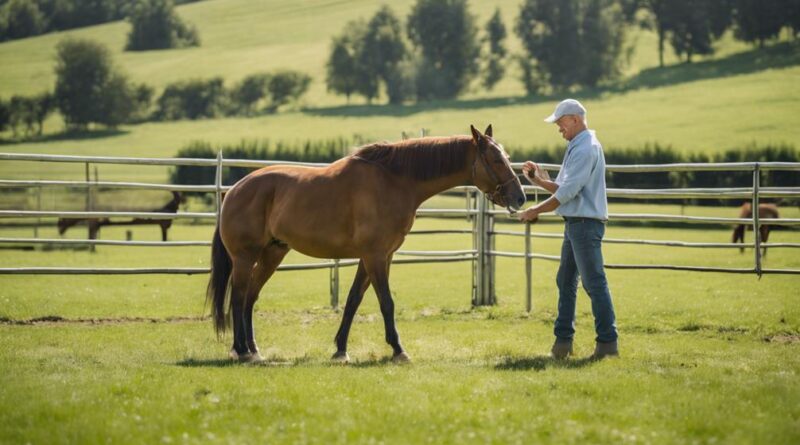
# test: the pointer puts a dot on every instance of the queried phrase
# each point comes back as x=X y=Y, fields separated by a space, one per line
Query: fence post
x=528 y=269
x=491 y=259
x=89 y=206
x=218 y=185
x=484 y=294
x=335 y=284
x=756 y=223
x=479 y=239
x=472 y=205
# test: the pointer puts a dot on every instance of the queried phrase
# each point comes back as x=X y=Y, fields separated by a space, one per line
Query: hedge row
x=331 y=149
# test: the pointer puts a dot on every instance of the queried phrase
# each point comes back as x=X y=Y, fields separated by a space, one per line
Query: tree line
x=152 y=20
x=90 y=89
x=440 y=49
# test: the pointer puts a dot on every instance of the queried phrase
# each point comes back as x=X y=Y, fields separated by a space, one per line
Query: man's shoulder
x=593 y=140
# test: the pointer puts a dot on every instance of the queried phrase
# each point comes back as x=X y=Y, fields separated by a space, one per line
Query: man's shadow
x=540 y=363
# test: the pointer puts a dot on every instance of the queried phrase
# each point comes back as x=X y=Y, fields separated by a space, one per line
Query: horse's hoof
x=401 y=358
x=246 y=357
x=256 y=357
x=340 y=358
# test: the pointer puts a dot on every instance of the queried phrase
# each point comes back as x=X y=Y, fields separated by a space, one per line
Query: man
x=579 y=196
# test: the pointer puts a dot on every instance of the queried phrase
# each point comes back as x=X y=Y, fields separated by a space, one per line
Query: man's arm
x=539 y=176
x=532 y=214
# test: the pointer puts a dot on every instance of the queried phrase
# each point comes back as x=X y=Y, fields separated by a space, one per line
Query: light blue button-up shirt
x=582 y=179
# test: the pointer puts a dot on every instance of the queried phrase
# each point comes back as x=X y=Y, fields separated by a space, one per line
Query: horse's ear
x=476 y=136
x=488 y=131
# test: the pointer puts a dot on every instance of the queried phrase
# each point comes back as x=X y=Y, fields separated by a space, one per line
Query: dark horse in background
x=95 y=223
x=361 y=206
x=764 y=211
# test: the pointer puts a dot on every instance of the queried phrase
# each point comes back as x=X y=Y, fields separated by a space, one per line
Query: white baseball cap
x=566 y=107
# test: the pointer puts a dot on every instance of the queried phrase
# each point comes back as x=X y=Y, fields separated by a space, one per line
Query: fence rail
x=478 y=210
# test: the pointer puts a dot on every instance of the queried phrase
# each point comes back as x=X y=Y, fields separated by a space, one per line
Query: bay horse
x=764 y=211
x=95 y=223
x=361 y=206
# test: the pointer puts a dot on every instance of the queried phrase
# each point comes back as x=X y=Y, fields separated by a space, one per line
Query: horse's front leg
x=360 y=285
x=378 y=271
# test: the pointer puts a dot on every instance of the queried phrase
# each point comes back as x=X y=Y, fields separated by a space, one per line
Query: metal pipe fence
x=478 y=210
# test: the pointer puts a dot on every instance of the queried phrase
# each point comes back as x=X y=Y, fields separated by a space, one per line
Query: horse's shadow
x=537 y=363
x=540 y=363
x=279 y=362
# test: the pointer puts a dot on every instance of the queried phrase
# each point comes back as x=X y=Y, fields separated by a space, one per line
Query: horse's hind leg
x=240 y=282
x=269 y=261
x=360 y=285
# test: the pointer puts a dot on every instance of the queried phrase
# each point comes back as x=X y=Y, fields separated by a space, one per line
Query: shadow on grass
x=540 y=363
x=780 y=55
x=206 y=363
x=372 y=362
x=77 y=135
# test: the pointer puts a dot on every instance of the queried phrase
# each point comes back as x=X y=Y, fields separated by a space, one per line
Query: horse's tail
x=217 y=290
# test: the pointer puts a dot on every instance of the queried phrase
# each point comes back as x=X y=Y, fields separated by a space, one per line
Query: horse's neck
x=427 y=189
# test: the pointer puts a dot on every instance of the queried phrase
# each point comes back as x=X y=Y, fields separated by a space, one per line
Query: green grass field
x=705 y=357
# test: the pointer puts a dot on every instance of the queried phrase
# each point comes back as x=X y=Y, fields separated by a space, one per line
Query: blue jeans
x=581 y=255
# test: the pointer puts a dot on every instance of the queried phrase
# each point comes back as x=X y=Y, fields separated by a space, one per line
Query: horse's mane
x=423 y=159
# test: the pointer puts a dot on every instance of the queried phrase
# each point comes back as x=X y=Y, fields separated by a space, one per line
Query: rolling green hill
x=739 y=96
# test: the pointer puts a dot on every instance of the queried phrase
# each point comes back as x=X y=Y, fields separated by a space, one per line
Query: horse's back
x=332 y=211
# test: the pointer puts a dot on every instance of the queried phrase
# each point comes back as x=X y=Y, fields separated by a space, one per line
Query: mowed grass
x=727 y=101
x=705 y=357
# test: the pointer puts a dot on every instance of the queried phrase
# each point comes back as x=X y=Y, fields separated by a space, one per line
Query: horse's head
x=492 y=172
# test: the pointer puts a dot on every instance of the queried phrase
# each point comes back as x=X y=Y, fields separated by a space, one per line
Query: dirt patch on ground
x=783 y=338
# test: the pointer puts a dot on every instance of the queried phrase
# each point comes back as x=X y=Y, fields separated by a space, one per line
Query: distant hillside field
x=737 y=97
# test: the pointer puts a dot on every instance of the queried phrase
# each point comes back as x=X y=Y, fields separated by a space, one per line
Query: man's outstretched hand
x=530 y=215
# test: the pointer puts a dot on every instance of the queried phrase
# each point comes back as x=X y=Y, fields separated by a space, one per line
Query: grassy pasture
x=731 y=99
x=706 y=357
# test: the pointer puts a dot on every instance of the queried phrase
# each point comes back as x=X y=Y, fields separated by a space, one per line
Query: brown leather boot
x=561 y=349
x=603 y=350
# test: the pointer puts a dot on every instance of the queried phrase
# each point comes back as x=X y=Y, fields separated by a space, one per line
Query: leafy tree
x=759 y=20
x=662 y=17
x=89 y=89
x=191 y=99
x=21 y=18
x=570 y=42
x=44 y=105
x=346 y=71
x=445 y=33
x=286 y=86
x=341 y=66
x=249 y=92
x=383 y=50
x=545 y=41
x=156 y=26
x=495 y=36
x=696 y=24
x=793 y=17
x=83 y=75
x=5 y=115
x=601 y=41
